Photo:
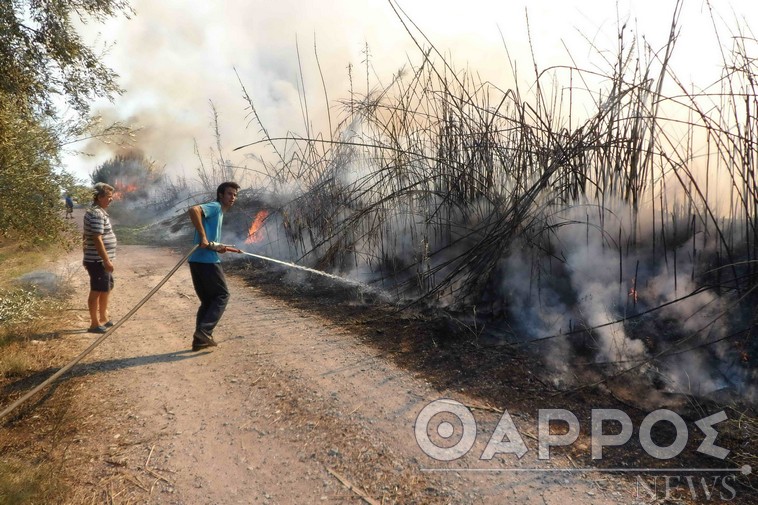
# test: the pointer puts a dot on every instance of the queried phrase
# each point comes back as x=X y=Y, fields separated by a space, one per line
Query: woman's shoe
x=97 y=329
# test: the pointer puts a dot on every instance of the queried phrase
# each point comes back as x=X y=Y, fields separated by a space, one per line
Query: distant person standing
x=205 y=265
x=99 y=252
x=69 y=207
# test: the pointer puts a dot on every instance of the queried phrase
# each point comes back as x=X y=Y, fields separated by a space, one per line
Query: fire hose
x=97 y=342
x=215 y=246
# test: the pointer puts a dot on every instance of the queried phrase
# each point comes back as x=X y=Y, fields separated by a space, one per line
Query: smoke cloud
x=174 y=60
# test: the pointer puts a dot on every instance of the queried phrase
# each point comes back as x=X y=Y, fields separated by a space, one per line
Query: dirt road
x=291 y=407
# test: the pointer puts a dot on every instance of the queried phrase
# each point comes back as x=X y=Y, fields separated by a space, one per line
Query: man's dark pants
x=210 y=286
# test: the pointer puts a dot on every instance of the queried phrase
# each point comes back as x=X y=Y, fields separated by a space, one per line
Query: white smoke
x=587 y=285
x=174 y=60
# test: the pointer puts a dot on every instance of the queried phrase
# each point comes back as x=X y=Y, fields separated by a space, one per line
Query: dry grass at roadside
x=746 y=424
x=24 y=484
x=17 y=262
x=32 y=447
x=14 y=361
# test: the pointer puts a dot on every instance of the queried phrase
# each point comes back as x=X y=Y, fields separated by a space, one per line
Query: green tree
x=43 y=62
x=29 y=183
x=42 y=55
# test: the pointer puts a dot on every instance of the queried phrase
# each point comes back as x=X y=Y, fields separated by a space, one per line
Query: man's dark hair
x=222 y=189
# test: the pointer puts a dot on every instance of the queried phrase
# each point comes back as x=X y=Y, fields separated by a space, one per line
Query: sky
x=174 y=60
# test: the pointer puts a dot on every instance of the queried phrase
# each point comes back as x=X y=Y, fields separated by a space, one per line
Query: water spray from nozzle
x=229 y=248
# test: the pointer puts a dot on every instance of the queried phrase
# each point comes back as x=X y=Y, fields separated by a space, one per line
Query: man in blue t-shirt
x=205 y=264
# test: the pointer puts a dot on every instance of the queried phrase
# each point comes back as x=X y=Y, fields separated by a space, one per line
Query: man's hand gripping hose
x=222 y=248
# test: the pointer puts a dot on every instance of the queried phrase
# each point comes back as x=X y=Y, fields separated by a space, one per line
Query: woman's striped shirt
x=97 y=222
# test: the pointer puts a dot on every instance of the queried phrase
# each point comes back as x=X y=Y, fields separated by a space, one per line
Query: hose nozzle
x=222 y=248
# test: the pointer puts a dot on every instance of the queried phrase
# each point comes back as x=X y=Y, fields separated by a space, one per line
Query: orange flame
x=122 y=189
x=254 y=235
x=633 y=291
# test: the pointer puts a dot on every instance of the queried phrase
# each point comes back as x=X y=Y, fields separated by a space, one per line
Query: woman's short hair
x=99 y=189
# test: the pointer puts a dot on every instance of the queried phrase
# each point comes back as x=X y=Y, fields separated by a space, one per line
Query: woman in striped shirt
x=99 y=253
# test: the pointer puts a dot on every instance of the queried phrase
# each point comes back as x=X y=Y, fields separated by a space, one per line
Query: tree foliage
x=43 y=65
x=29 y=183
x=41 y=54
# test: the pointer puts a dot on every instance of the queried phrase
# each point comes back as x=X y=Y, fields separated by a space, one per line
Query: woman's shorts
x=99 y=279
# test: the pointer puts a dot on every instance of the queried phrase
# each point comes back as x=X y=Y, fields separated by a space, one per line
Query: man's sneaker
x=203 y=338
x=199 y=346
